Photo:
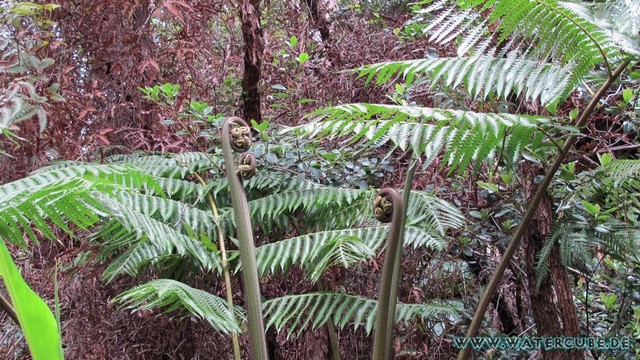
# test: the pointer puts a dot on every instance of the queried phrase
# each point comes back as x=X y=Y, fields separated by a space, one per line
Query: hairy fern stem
x=387 y=208
x=237 y=355
x=236 y=135
x=540 y=192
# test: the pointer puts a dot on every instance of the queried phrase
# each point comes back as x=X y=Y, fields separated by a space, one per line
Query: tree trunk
x=319 y=19
x=551 y=319
x=253 y=52
x=564 y=297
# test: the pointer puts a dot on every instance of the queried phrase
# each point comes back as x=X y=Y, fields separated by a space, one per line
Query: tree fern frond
x=343 y=251
x=578 y=241
x=169 y=165
x=555 y=31
x=560 y=230
x=341 y=309
x=301 y=250
x=23 y=206
x=172 y=212
x=430 y=212
x=173 y=294
x=137 y=256
x=546 y=46
x=502 y=76
x=621 y=171
x=122 y=175
x=165 y=238
x=407 y=127
x=617 y=19
x=325 y=200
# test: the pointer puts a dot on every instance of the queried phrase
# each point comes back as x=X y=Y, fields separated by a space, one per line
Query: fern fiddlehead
x=387 y=207
x=236 y=136
x=247 y=166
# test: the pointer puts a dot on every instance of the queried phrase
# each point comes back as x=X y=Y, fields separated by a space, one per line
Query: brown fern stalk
x=236 y=136
x=387 y=208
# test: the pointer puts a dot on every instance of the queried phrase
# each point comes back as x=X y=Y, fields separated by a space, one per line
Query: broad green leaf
x=36 y=320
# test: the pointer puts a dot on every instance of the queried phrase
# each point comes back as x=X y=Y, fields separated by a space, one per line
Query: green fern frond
x=172 y=212
x=427 y=131
x=139 y=227
x=343 y=251
x=342 y=309
x=301 y=250
x=483 y=75
x=111 y=176
x=617 y=19
x=430 y=212
x=578 y=242
x=136 y=258
x=325 y=202
x=66 y=194
x=540 y=47
x=555 y=31
x=622 y=171
x=169 y=165
x=24 y=207
x=173 y=295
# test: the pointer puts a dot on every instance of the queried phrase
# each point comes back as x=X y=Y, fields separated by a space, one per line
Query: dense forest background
x=484 y=109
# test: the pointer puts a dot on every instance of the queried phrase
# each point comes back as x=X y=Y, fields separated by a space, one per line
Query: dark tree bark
x=553 y=316
x=253 y=52
x=318 y=17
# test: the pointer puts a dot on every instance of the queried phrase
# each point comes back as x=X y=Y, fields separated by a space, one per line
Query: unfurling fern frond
x=342 y=309
x=465 y=136
x=172 y=295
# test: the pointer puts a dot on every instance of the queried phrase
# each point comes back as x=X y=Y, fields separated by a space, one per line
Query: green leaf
x=293 y=41
x=36 y=320
x=592 y=209
x=605 y=159
x=573 y=114
x=303 y=57
x=627 y=94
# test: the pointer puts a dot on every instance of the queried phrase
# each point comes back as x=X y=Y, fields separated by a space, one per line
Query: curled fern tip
x=239 y=132
x=247 y=166
x=384 y=203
